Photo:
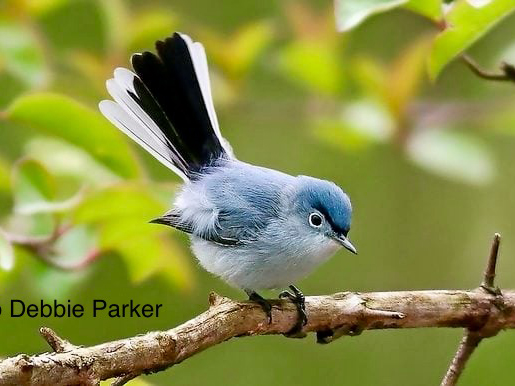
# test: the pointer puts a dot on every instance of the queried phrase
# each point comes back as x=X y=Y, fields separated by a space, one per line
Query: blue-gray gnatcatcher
x=256 y=228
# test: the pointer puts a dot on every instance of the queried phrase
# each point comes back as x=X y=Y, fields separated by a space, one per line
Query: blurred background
x=427 y=163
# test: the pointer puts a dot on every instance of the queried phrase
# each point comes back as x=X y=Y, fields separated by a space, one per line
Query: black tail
x=167 y=107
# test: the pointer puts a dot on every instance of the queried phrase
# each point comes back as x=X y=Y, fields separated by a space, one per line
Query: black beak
x=345 y=242
x=160 y=220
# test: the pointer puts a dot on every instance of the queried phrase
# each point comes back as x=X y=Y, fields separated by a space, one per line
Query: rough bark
x=330 y=317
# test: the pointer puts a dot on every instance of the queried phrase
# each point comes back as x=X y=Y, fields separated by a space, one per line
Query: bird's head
x=325 y=209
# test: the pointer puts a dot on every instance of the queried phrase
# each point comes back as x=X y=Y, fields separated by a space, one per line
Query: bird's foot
x=265 y=304
x=297 y=298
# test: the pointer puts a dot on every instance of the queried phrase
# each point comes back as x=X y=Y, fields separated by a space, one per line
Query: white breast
x=250 y=267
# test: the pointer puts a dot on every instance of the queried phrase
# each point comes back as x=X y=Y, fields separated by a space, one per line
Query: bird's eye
x=315 y=220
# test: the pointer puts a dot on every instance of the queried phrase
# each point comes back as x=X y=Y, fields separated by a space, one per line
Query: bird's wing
x=228 y=236
x=231 y=205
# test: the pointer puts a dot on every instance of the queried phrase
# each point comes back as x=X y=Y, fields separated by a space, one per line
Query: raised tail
x=167 y=108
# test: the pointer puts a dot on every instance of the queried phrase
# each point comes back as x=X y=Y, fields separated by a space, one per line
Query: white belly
x=255 y=270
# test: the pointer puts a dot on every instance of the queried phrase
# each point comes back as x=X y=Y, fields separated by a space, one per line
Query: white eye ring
x=316 y=220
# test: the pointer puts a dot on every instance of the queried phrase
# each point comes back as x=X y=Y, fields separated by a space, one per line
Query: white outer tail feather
x=117 y=88
x=123 y=121
x=128 y=116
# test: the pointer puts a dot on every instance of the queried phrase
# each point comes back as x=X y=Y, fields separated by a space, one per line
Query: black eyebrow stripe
x=335 y=227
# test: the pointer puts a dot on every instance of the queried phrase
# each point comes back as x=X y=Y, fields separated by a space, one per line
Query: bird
x=254 y=227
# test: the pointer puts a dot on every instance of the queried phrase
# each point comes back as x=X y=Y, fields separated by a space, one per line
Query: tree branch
x=507 y=73
x=483 y=312
x=332 y=316
x=473 y=336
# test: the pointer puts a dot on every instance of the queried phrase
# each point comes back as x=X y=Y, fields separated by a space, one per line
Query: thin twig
x=507 y=73
x=90 y=257
x=24 y=240
x=43 y=248
x=36 y=242
x=473 y=336
x=124 y=379
x=467 y=346
x=57 y=343
x=489 y=276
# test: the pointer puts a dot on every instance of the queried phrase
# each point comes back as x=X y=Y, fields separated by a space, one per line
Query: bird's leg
x=265 y=304
x=297 y=298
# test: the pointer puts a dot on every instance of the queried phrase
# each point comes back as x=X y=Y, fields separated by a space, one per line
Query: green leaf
x=369 y=119
x=33 y=187
x=176 y=266
x=121 y=201
x=115 y=231
x=405 y=77
x=51 y=283
x=313 y=65
x=146 y=256
x=20 y=54
x=115 y=17
x=452 y=155
x=6 y=253
x=145 y=251
x=246 y=46
x=361 y=124
x=149 y=26
x=394 y=86
x=121 y=215
x=5 y=176
x=34 y=190
x=43 y=7
x=236 y=54
x=432 y=9
x=64 y=159
x=63 y=117
x=40 y=224
x=351 y=13
x=372 y=77
x=341 y=136
x=465 y=23
x=72 y=247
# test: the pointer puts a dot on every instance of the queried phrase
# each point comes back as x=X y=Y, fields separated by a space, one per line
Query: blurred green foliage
x=104 y=144
x=424 y=148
